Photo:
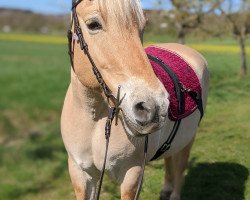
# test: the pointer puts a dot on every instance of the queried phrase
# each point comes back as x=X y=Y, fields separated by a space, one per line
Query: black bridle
x=113 y=112
x=84 y=47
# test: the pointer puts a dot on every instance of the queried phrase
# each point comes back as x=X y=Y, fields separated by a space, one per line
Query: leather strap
x=198 y=99
x=84 y=47
x=75 y=3
x=108 y=126
x=175 y=80
x=138 y=191
x=179 y=90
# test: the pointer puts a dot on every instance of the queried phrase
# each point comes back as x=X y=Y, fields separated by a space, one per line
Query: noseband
x=113 y=112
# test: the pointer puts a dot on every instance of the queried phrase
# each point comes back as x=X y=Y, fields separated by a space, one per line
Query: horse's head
x=112 y=31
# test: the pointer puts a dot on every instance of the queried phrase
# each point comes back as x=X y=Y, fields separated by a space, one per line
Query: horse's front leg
x=174 y=177
x=84 y=185
x=130 y=183
x=169 y=177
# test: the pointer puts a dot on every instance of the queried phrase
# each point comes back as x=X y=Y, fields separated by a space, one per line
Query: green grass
x=33 y=81
x=33 y=162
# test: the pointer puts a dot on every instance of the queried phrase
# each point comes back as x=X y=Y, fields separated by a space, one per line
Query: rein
x=113 y=112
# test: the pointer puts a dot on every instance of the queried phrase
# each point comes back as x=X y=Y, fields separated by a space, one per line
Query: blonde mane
x=126 y=12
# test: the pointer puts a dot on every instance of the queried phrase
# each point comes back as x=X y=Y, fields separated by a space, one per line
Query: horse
x=112 y=30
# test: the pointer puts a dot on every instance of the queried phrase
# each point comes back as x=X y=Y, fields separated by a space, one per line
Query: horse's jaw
x=134 y=130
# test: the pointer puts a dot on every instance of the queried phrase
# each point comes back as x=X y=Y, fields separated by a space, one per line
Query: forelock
x=126 y=12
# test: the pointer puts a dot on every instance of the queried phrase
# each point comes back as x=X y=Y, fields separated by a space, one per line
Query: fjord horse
x=112 y=30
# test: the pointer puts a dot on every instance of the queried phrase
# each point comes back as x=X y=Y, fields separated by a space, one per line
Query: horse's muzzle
x=146 y=116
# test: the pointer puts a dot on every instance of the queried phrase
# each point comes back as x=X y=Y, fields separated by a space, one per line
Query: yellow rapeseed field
x=33 y=38
x=62 y=40
x=217 y=48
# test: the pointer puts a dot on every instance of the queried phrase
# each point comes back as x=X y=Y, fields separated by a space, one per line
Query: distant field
x=33 y=38
x=218 y=46
x=33 y=164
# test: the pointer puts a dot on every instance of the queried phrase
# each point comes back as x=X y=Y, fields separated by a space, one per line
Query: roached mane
x=126 y=12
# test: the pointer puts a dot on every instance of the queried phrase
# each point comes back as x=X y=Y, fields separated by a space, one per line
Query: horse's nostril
x=144 y=112
x=142 y=106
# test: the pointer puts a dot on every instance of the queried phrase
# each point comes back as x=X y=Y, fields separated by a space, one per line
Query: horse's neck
x=88 y=100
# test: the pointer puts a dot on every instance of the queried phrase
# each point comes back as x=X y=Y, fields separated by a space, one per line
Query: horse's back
x=196 y=61
x=194 y=58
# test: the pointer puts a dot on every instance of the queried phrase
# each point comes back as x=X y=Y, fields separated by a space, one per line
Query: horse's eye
x=94 y=25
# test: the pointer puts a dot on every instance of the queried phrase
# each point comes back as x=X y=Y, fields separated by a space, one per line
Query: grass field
x=33 y=163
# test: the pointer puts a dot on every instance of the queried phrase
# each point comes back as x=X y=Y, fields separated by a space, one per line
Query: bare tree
x=188 y=15
x=238 y=15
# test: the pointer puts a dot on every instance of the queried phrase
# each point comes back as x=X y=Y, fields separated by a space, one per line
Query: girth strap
x=198 y=100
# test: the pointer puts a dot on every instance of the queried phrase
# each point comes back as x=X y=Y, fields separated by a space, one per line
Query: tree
x=157 y=17
x=238 y=15
x=188 y=15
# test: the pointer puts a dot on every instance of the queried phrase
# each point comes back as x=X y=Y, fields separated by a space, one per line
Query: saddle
x=180 y=74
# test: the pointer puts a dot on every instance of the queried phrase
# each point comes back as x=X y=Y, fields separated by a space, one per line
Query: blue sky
x=50 y=6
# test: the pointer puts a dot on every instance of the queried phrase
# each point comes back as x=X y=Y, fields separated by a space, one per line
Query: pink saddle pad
x=184 y=72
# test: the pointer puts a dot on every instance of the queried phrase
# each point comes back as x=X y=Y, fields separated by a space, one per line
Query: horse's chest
x=120 y=147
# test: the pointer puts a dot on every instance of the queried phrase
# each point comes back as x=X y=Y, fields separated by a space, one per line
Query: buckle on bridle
x=75 y=37
x=116 y=108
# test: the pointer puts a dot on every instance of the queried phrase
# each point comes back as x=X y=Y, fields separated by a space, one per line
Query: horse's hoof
x=165 y=195
x=174 y=197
